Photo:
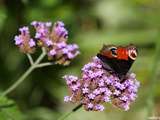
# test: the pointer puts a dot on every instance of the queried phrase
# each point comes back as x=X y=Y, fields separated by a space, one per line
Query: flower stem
x=40 y=57
x=19 y=81
x=63 y=117
x=22 y=78
x=30 y=58
x=44 y=64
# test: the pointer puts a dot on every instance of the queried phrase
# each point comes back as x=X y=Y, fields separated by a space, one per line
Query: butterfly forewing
x=119 y=59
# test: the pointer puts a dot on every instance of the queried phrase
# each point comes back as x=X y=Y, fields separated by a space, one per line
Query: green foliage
x=9 y=110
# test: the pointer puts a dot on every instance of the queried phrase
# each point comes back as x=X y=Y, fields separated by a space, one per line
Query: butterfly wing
x=119 y=62
x=120 y=67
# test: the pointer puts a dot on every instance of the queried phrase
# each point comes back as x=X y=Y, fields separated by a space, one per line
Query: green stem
x=40 y=57
x=22 y=78
x=65 y=116
x=150 y=101
x=19 y=81
x=69 y=113
x=30 y=58
x=44 y=64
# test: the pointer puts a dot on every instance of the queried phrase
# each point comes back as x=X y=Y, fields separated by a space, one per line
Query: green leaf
x=9 y=110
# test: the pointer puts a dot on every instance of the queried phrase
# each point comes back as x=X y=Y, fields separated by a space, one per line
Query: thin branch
x=63 y=117
x=30 y=59
x=39 y=59
x=44 y=64
x=24 y=75
x=19 y=81
x=43 y=50
x=77 y=107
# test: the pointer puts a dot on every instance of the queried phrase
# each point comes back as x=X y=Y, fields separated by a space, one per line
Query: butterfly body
x=119 y=59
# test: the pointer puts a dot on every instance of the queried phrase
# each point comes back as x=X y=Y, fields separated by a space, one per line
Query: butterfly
x=118 y=59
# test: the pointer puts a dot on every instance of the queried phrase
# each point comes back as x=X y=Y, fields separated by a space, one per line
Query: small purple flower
x=98 y=86
x=132 y=96
x=108 y=80
x=102 y=90
x=60 y=23
x=74 y=87
x=42 y=30
x=86 y=85
x=25 y=43
x=65 y=50
x=34 y=23
x=119 y=86
x=108 y=92
x=18 y=40
x=67 y=99
x=24 y=30
x=96 y=92
x=99 y=107
x=90 y=106
x=60 y=30
x=51 y=37
x=101 y=83
x=70 y=79
x=66 y=53
x=54 y=39
x=32 y=43
x=116 y=92
x=48 y=42
x=48 y=24
x=38 y=35
x=61 y=45
x=52 y=52
x=107 y=99
x=85 y=90
x=126 y=106
x=91 y=96
x=70 y=55
x=124 y=98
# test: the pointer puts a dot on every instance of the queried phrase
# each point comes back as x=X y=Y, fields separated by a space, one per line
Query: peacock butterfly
x=118 y=59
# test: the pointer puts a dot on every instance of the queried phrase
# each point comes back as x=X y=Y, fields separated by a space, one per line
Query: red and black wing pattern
x=118 y=58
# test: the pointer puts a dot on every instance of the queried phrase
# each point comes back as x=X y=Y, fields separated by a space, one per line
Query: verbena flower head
x=97 y=86
x=52 y=38
x=24 y=41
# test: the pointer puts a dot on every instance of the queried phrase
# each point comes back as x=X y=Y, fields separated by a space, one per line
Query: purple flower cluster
x=24 y=41
x=98 y=85
x=63 y=52
x=55 y=41
x=52 y=38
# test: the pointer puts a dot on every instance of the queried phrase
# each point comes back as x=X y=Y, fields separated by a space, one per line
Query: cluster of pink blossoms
x=98 y=86
x=24 y=40
x=52 y=38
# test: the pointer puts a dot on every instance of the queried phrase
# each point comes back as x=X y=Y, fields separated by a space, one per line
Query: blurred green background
x=90 y=23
